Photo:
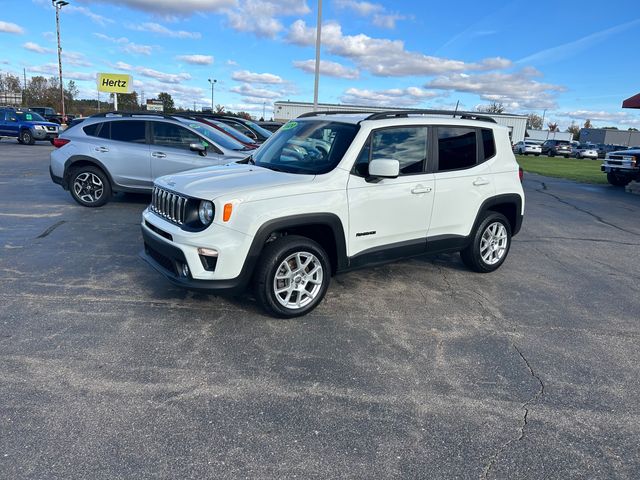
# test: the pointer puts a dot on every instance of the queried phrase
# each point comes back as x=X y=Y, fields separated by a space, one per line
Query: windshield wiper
x=247 y=161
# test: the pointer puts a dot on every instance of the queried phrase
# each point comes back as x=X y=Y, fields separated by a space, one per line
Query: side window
x=361 y=168
x=91 y=130
x=128 y=131
x=174 y=136
x=408 y=145
x=457 y=148
x=105 y=130
x=489 y=145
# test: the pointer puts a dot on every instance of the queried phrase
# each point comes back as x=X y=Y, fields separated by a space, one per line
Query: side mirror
x=198 y=147
x=384 y=168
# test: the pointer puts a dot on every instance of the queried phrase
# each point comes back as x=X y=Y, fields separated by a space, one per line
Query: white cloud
x=8 y=27
x=233 y=63
x=259 y=16
x=382 y=57
x=518 y=90
x=172 y=7
x=162 y=30
x=135 y=48
x=99 y=19
x=34 y=47
x=251 y=77
x=122 y=66
x=75 y=58
x=196 y=59
x=331 y=69
x=52 y=69
x=394 y=97
x=378 y=13
x=163 y=77
x=50 y=36
x=249 y=91
x=618 y=118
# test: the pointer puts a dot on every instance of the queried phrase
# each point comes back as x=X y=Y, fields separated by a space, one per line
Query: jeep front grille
x=169 y=205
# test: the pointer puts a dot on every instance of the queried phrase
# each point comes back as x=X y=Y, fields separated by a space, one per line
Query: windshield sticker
x=29 y=116
x=290 y=125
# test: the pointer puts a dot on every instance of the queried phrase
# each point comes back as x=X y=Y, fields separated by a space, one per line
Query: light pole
x=212 y=82
x=264 y=105
x=318 y=37
x=58 y=4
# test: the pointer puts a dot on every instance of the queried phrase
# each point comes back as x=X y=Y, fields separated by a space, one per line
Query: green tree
x=553 y=127
x=574 y=129
x=10 y=83
x=534 y=121
x=128 y=102
x=167 y=102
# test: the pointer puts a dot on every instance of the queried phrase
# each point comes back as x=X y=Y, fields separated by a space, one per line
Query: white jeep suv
x=334 y=191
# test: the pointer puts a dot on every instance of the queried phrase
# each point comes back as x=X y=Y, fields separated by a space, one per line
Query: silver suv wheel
x=493 y=244
x=88 y=187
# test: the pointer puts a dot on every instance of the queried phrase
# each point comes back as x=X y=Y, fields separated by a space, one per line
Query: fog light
x=185 y=270
x=209 y=252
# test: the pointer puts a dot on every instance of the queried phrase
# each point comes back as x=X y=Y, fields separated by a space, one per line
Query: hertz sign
x=114 y=82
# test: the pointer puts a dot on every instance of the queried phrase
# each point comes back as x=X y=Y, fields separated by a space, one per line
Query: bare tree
x=493 y=107
x=574 y=129
x=534 y=121
x=587 y=124
x=553 y=127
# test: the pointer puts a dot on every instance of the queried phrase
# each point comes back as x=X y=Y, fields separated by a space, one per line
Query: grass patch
x=579 y=170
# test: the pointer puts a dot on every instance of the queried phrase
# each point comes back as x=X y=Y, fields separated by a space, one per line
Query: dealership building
x=609 y=136
x=284 y=111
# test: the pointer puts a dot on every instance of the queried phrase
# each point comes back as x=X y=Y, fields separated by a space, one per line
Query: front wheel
x=617 y=180
x=27 y=137
x=292 y=277
x=90 y=186
x=489 y=245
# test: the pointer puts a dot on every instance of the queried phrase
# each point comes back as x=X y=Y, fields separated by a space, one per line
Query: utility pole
x=318 y=38
x=213 y=83
x=58 y=4
x=264 y=104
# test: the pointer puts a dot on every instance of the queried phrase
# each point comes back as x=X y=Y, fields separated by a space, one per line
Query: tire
x=490 y=244
x=283 y=258
x=89 y=186
x=551 y=154
x=27 y=137
x=617 y=180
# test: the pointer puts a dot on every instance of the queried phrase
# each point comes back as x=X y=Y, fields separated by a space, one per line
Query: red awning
x=632 y=102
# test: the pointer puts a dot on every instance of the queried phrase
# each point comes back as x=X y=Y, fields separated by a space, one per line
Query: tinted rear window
x=488 y=143
x=457 y=148
x=128 y=131
x=91 y=129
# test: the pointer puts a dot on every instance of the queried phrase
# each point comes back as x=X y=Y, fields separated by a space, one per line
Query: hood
x=38 y=122
x=232 y=178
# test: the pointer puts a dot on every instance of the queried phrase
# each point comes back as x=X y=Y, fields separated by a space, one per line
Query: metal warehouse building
x=609 y=137
x=283 y=111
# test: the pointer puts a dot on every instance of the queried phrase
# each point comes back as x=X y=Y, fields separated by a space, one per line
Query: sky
x=570 y=61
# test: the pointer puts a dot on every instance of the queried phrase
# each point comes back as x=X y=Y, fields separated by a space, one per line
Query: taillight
x=59 y=142
x=520 y=174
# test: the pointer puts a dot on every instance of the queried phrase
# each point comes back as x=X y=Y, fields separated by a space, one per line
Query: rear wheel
x=26 y=137
x=292 y=277
x=489 y=245
x=617 y=180
x=90 y=186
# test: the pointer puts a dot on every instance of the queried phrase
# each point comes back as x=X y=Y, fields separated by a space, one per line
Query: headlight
x=205 y=212
x=39 y=127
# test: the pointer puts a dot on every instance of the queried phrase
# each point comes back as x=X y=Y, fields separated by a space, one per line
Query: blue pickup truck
x=26 y=126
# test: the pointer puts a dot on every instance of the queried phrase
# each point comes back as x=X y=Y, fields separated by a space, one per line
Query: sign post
x=114 y=83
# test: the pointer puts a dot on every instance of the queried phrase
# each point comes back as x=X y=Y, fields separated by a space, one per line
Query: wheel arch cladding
x=509 y=205
x=83 y=161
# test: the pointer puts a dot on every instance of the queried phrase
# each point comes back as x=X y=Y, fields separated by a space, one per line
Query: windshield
x=306 y=147
x=221 y=139
x=232 y=131
x=29 y=117
x=262 y=131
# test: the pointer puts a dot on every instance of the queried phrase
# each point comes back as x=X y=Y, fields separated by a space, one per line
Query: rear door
x=170 y=152
x=122 y=147
x=463 y=179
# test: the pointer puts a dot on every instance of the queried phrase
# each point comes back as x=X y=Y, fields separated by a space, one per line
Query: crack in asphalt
x=525 y=417
x=544 y=190
x=51 y=229
x=600 y=240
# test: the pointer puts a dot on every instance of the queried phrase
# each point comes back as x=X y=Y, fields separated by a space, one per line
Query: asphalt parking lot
x=418 y=369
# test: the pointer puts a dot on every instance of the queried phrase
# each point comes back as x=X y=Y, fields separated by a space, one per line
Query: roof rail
x=407 y=113
x=133 y=114
x=332 y=112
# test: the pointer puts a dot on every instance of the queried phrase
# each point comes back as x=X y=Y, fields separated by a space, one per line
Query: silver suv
x=118 y=152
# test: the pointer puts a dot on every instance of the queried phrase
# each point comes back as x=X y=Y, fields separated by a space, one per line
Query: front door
x=391 y=212
x=170 y=152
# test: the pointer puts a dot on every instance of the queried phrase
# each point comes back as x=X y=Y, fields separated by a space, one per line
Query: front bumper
x=168 y=249
x=44 y=134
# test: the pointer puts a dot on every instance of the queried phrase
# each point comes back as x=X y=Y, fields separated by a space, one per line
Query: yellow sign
x=114 y=82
